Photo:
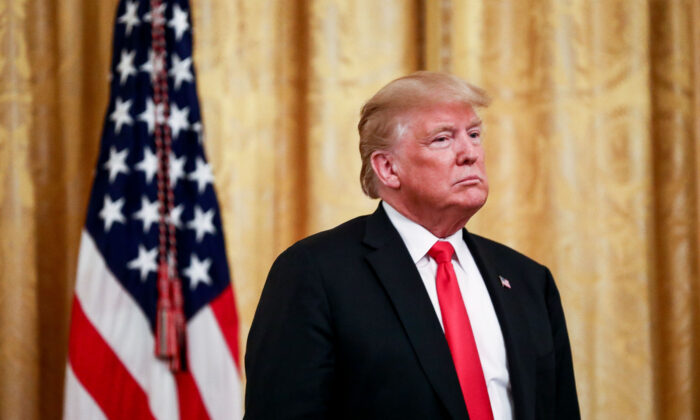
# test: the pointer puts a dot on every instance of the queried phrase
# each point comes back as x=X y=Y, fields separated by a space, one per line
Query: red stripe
x=224 y=308
x=191 y=405
x=101 y=372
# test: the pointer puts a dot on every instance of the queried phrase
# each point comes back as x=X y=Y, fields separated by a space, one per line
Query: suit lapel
x=397 y=273
x=519 y=350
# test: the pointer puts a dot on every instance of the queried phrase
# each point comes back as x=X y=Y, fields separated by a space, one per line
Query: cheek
x=481 y=163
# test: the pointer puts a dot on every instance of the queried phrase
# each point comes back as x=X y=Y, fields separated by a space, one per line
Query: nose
x=466 y=150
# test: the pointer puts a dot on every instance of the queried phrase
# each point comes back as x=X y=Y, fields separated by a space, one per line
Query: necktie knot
x=442 y=252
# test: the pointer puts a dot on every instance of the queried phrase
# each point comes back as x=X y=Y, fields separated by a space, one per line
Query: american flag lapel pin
x=504 y=282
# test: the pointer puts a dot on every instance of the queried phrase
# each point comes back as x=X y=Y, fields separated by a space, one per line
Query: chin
x=475 y=199
x=472 y=207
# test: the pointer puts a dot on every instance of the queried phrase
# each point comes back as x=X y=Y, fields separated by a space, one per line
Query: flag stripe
x=79 y=403
x=191 y=405
x=100 y=371
x=225 y=313
x=212 y=367
x=122 y=324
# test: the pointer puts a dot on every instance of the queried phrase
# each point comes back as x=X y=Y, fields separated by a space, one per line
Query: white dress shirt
x=482 y=316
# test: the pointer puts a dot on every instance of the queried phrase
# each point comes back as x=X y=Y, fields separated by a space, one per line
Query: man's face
x=439 y=160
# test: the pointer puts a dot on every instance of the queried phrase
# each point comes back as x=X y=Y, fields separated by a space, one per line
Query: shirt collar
x=418 y=239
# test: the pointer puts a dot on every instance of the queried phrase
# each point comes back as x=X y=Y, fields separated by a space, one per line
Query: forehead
x=434 y=116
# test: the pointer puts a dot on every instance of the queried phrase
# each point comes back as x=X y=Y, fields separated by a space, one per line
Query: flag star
x=178 y=119
x=176 y=167
x=175 y=216
x=120 y=115
x=152 y=115
x=116 y=164
x=112 y=212
x=202 y=175
x=198 y=271
x=126 y=66
x=179 y=22
x=202 y=223
x=129 y=18
x=148 y=213
x=149 y=164
x=197 y=128
x=145 y=262
x=180 y=70
x=160 y=15
x=153 y=64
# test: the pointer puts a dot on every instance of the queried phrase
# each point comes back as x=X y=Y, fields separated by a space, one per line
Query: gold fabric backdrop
x=593 y=151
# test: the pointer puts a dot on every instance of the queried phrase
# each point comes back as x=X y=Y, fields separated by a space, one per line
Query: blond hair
x=380 y=125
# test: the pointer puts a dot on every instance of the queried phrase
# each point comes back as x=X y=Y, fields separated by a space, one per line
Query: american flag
x=113 y=371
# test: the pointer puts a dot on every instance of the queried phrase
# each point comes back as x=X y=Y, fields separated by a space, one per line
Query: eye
x=475 y=135
x=440 y=141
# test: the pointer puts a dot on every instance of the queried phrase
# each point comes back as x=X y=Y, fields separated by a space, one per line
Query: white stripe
x=122 y=324
x=213 y=368
x=77 y=403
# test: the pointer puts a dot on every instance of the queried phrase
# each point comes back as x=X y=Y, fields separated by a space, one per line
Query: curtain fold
x=675 y=171
x=592 y=150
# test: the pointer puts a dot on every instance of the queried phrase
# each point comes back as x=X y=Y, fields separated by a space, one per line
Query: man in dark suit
x=403 y=314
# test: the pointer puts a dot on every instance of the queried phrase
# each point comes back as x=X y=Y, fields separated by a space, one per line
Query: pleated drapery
x=592 y=149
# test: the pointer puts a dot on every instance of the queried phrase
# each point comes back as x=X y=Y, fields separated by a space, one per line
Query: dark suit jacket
x=345 y=330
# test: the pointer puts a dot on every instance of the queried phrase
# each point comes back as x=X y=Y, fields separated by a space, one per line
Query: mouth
x=469 y=180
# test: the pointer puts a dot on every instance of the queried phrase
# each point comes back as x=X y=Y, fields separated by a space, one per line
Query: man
x=403 y=314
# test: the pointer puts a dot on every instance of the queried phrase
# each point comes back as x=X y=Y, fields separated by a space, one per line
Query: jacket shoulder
x=338 y=239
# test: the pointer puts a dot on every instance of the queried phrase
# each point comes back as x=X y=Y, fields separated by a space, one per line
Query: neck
x=440 y=223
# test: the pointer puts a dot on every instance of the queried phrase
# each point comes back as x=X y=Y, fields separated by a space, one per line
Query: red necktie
x=458 y=332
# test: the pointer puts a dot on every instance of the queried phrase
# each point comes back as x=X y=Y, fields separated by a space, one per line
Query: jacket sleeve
x=289 y=357
x=566 y=405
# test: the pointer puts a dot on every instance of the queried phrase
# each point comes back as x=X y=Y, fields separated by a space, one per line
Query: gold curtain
x=593 y=152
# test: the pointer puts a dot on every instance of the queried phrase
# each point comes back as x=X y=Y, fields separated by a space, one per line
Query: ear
x=385 y=169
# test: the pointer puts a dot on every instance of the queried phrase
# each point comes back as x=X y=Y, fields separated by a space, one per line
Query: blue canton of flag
x=116 y=286
x=123 y=212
